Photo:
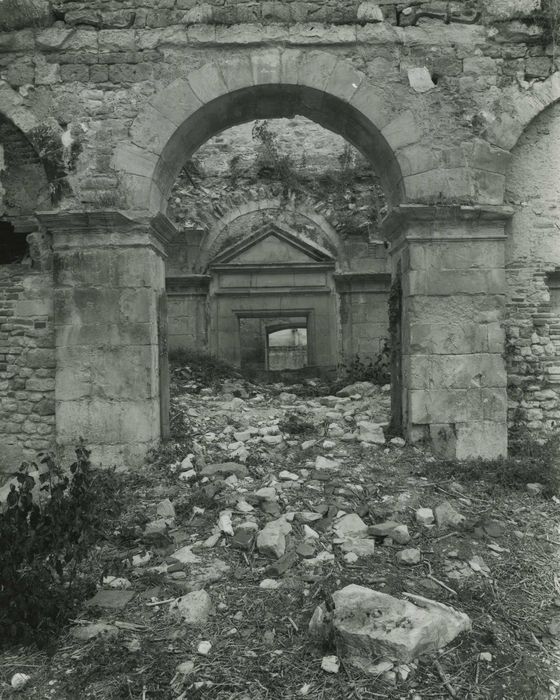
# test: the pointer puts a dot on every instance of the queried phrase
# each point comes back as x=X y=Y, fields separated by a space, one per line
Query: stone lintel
x=424 y=222
x=362 y=281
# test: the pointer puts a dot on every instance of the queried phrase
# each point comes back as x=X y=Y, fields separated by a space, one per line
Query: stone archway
x=271 y=84
x=446 y=230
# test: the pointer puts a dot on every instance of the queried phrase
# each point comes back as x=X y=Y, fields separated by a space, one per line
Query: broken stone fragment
x=165 y=509
x=283 y=564
x=288 y=476
x=350 y=525
x=242 y=539
x=384 y=529
x=409 y=557
x=420 y=79
x=325 y=464
x=369 y=625
x=305 y=550
x=359 y=547
x=269 y=584
x=272 y=439
x=267 y=493
x=271 y=542
x=330 y=664
x=447 y=516
x=94 y=630
x=225 y=469
x=371 y=432
x=194 y=608
x=534 y=489
x=424 y=516
x=185 y=556
x=362 y=388
x=156 y=528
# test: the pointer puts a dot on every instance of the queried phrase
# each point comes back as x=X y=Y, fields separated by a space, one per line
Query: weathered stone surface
x=420 y=79
x=447 y=516
x=409 y=557
x=271 y=541
x=224 y=469
x=371 y=432
x=194 y=608
x=113 y=599
x=359 y=546
x=350 y=525
x=94 y=630
x=370 y=625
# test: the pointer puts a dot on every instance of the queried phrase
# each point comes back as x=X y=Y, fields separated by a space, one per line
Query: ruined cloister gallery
x=101 y=105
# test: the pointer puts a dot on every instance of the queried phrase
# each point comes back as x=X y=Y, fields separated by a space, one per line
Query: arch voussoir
x=266 y=67
x=152 y=130
x=208 y=83
x=237 y=72
x=344 y=80
x=176 y=102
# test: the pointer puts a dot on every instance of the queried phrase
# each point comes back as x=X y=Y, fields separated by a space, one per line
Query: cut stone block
x=369 y=625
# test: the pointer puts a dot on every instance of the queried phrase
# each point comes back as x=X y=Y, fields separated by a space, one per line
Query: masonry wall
x=187 y=321
x=27 y=361
x=533 y=258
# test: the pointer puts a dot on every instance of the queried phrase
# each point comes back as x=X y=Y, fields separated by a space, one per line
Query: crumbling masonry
x=101 y=103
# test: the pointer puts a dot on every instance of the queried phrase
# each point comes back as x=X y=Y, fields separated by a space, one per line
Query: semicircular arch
x=262 y=85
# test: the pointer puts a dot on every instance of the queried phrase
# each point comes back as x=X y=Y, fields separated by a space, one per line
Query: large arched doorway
x=450 y=251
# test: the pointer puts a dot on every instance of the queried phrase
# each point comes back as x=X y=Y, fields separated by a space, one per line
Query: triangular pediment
x=272 y=245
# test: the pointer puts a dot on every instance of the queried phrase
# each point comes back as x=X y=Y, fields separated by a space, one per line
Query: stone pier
x=451 y=261
x=108 y=280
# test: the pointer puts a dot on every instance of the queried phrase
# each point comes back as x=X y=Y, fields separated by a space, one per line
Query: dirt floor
x=500 y=565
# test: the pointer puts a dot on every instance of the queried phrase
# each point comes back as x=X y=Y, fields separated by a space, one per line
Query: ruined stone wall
x=92 y=74
x=27 y=362
x=533 y=258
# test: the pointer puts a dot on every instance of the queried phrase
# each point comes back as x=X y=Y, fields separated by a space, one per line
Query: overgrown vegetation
x=199 y=367
x=551 y=12
x=530 y=461
x=50 y=523
x=377 y=371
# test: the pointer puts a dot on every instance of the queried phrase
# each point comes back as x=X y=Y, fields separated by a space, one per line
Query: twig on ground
x=445 y=680
x=442 y=584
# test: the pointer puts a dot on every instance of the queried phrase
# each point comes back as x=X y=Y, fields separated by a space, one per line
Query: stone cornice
x=460 y=221
x=372 y=281
x=117 y=228
x=94 y=222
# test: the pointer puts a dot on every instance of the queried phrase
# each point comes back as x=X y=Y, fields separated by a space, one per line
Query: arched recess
x=508 y=128
x=533 y=272
x=217 y=235
x=40 y=144
x=263 y=85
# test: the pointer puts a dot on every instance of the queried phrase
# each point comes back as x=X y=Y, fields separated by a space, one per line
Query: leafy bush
x=50 y=522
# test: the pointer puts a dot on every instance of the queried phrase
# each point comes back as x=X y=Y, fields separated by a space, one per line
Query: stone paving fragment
x=111 y=599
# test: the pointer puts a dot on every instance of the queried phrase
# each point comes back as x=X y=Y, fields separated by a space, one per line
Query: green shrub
x=49 y=525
